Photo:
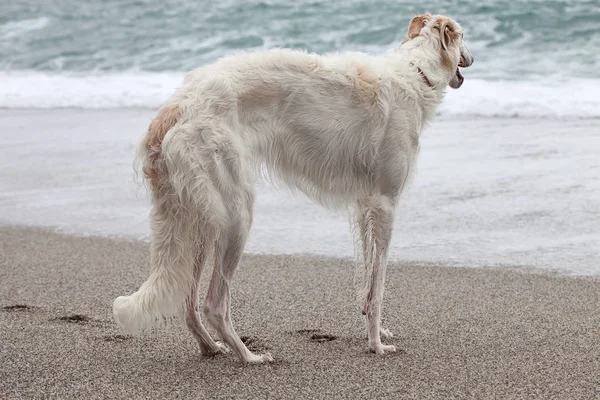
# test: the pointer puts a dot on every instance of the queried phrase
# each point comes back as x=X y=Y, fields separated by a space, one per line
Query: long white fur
x=342 y=128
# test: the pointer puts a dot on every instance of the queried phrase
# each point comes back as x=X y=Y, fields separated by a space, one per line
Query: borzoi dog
x=342 y=128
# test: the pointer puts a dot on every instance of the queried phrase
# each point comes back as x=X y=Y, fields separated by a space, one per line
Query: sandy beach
x=460 y=332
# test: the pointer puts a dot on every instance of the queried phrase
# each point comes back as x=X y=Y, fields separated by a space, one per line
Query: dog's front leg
x=376 y=221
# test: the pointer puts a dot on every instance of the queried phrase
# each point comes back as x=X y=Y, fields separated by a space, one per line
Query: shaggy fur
x=342 y=128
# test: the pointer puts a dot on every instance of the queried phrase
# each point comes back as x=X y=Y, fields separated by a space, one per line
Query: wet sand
x=460 y=332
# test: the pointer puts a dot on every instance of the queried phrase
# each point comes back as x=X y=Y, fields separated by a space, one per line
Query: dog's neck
x=425 y=60
x=425 y=78
x=429 y=85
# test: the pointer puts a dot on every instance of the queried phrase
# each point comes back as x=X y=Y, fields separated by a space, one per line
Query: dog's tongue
x=461 y=78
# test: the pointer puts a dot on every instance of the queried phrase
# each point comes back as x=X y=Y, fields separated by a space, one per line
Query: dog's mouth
x=457 y=80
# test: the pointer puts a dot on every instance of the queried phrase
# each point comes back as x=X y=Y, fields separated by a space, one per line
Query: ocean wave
x=13 y=29
x=508 y=38
x=542 y=98
x=120 y=90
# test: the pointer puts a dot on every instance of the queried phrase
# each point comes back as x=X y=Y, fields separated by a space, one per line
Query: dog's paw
x=381 y=349
x=386 y=333
x=258 y=359
x=218 y=348
x=222 y=347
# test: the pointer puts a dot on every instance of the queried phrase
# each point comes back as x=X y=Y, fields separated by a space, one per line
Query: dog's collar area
x=425 y=78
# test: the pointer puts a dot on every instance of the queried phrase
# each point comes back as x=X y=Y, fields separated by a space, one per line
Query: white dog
x=342 y=128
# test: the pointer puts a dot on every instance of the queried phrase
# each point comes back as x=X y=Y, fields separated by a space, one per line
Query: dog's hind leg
x=217 y=306
x=228 y=251
x=208 y=346
x=376 y=222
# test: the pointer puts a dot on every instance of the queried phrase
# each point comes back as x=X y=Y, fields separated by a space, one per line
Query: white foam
x=13 y=29
x=542 y=98
x=99 y=91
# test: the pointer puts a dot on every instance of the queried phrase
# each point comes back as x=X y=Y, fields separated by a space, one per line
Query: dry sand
x=461 y=333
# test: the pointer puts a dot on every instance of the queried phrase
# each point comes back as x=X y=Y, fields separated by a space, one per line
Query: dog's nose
x=465 y=62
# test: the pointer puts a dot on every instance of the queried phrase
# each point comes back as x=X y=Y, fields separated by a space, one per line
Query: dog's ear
x=447 y=33
x=416 y=24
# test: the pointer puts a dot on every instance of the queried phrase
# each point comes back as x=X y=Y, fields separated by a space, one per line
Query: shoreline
x=525 y=269
x=463 y=332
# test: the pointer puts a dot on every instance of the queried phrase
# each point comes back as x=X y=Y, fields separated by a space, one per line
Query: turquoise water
x=538 y=42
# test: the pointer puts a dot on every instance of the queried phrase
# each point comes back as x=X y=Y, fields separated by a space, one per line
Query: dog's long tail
x=176 y=231
x=150 y=149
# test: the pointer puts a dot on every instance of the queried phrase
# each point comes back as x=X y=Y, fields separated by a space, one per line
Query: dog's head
x=447 y=36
